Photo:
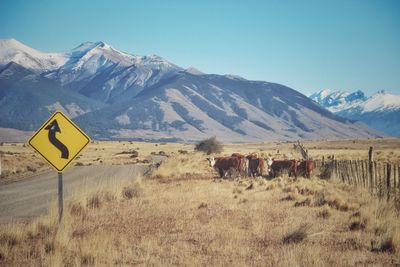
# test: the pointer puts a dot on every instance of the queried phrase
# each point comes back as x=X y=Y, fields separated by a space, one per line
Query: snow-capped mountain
x=102 y=72
x=381 y=102
x=380 y=111
x=336 y=101
x=13 y=51
x=113 y=94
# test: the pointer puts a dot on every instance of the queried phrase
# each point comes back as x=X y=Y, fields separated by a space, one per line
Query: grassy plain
x=18 y=159
x=183 y=215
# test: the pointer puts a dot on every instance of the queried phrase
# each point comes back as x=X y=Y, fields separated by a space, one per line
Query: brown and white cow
x=306 y=168
x=276 y=167
x=256 y=165
x=244 y=164
x=223 y=165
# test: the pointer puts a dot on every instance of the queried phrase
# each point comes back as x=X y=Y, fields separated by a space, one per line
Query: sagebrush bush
x=130 y=192
x=209 y=146
x=327 y=170
x=296 y=235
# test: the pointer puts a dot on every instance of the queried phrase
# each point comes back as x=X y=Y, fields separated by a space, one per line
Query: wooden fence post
x=355 y=171
x=334 y=162
x=378 y=173
x=398 y=178
x=356 y=166
x=388 y=175
x=361 y=169
x=371 y=154
x=350 y=172
x=363 y=173
x=382 y=176
x=375 y=177
x=367 y=183
x=341 y=170
x=371 y=175
x=395 y=180
x=355 y=174
x=366 y=173
x=351 y=176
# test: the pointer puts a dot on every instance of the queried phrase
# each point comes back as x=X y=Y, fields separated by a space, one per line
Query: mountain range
x=116 y=95
x=380 y=111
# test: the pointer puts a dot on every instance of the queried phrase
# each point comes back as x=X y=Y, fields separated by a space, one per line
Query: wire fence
x=381 y=179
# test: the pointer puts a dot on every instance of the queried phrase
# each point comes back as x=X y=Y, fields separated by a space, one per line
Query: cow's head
x=269 y=162
x=211 y=161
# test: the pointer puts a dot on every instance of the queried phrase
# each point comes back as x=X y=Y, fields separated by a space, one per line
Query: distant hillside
x=27 y=99
x=13 y=135
x=113 y=94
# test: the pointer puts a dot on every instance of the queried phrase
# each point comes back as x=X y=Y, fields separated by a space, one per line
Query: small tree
x=210 y=145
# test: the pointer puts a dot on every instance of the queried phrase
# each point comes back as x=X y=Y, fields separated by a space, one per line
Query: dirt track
x=34 y=195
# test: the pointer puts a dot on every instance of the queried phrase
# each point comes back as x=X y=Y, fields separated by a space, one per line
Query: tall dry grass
x=43 y=241
x=181 y=216
x=178 y=166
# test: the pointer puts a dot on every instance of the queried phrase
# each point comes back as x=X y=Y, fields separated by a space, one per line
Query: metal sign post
x=59 y=141
x=60 y=196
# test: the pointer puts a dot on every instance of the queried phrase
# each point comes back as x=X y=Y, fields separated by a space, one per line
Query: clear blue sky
x=308 y=45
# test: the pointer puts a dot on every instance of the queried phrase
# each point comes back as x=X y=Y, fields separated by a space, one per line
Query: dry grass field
x=183 y=215
x=18 y=159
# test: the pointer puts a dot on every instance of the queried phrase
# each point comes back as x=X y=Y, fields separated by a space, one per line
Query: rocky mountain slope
x=113 y=94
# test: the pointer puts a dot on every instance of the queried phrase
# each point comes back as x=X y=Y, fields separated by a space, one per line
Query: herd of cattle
x=253 y=166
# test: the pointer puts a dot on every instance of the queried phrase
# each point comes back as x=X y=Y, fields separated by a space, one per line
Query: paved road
x=34 y=195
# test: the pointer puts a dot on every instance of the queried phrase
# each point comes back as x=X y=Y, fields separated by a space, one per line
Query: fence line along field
x=183 y=214
x=381 y=179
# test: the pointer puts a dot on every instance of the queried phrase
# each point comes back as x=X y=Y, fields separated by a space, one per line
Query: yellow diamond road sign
x=59 y=141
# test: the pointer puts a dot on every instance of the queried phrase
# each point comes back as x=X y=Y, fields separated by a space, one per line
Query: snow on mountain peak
x=84 y=47
x=324 y=93
x=381 y=101
x=8 y=46
x=80 y=62
x=193 y=71
x=12 y=50
x=96 y=54
x=338 y=101
x=321 y=95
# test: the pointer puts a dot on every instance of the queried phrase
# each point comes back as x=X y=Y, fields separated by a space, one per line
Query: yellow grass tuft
x=193 y=165
x=324 y=213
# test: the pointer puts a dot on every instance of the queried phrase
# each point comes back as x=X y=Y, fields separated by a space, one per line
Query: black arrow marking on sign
x=53 y=128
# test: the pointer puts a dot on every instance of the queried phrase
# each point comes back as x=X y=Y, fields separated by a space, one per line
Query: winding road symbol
x=53 y=128
x=59 y=141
